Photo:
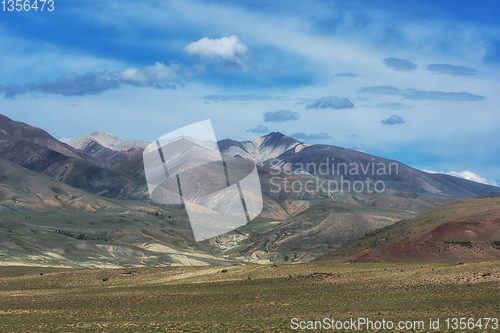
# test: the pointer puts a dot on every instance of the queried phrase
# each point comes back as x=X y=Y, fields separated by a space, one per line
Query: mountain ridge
x=107 y=140
x=262 y=148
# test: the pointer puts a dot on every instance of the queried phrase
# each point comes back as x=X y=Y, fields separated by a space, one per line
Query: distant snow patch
x=469 y=175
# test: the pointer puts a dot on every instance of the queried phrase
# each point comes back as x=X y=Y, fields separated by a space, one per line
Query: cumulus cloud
x=94 y=83
x=452 y=70
x=469 y=175
x=390 y=106
x=403 y=65
x=259 y=129
x=416 y=95
x=346 y=74
x=156 y=76
x=313 y=137
x=332 y=103
x=393 y=120
x=280 y=116
x=229 y=49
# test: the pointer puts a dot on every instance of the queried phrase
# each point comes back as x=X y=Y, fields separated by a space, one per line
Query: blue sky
x=416 y=81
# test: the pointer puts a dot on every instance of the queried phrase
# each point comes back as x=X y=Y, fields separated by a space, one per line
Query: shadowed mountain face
x=459 y=231
x=23 y=190
x=11 y=130
x=36 y=150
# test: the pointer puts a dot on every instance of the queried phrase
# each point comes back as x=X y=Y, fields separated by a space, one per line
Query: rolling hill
x=312 y=233
x=46 y=222
x=460 y=231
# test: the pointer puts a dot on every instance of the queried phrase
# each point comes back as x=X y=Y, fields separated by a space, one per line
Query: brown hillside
x=461 y=231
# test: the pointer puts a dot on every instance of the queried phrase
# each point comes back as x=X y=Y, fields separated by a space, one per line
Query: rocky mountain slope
x=261 y=149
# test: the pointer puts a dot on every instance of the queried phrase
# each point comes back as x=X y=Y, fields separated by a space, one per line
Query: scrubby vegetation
x=256 y=298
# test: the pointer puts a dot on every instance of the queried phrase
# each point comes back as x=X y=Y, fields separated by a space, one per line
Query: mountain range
x=66 y=198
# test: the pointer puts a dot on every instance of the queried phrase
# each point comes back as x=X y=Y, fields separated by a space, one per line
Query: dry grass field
x=254 y=298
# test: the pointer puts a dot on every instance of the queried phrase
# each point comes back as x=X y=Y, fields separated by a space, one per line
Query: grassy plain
x=253 y=298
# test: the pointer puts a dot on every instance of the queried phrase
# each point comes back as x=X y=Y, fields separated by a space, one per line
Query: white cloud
x=149 y=75
x=230 y=49
x=469 y=175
